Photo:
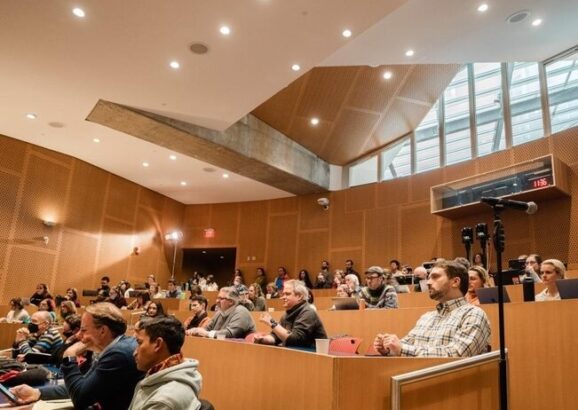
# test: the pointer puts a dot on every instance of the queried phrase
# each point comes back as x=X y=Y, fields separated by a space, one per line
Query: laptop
x=568 y=288
x=345 y=303
x=490 y=295
x=89 y=292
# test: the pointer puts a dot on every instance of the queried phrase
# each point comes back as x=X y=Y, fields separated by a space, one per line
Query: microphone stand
x=499 y=245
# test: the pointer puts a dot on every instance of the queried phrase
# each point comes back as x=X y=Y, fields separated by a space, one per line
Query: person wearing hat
x=377 y=294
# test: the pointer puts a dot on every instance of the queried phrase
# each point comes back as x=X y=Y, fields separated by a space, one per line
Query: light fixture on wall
x=174 y=237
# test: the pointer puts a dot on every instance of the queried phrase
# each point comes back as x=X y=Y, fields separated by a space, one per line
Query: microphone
x=529 y=207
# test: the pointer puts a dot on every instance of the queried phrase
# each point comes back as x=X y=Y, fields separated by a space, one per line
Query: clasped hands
x=387 y=344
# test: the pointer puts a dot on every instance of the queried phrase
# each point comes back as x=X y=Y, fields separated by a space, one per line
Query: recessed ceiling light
x=225 y=30
x=97 y=140
x=295 y=67
x=225 y=176
x=199 y=48
x=314 y=121
x=173 y=157
x=518 y=16
x=175 y=65
x=483 y=7
x=183 y=183
x=31 y=116
x=346 y=33
x=409 y=53
x=536 y=22
x=78 y=12
x=145 y=164
x=387 y=75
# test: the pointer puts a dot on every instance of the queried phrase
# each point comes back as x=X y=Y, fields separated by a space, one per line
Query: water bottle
x=528 y=288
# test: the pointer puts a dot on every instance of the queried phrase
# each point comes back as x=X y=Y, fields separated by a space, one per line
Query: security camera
x=324 y=202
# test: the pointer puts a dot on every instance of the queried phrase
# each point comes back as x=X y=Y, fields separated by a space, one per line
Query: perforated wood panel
x=565 y=145
x=151 y=199
x=311 y=245
x=573 y=240
x=553 y=232
x=86 y=203
x=346 y=227
x=419 y=235
x=531 y=150
x=12 y=153
x=148 y=238
x=458 y=171
x=252 y=237
x=338 y=257
x=381 y=235
x=427 y=81
x=115 y=248
x=225 y=220
x=401 y=118
x=76 y=266
x=26 y=268
x=122 y=199
x=393 y=192
x=9 y=189
x=282 y=244
x=284 y=205
x=360 y=198
x=65 y=160
x=313 y=216
x=494 y=161
x=421 y=184
x=43 y=198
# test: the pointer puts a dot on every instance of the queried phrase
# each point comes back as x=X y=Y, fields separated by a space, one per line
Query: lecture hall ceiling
x=58 y=67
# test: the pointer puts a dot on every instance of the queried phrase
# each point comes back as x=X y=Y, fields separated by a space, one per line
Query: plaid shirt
x=455 y=329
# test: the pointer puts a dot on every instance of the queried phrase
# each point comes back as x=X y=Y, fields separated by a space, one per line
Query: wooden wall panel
x=526 y=152
x=312 y=215
x=565 y=145
x=347 y=230
x=151 y=199
x=282 y=244
x=498 y=160
x=337 y=260
x=43 y=197
x=459 y=171
x=419 y=234
x=311 y=245
x=225 y=221
x=553 y=232
x=86 y=203
x=284 y=205
x=395 y=192
x=421 y=184
x=26 y=268
x=77 y=268
x=360 y=198
x=148 y=238
x=63 y=159
x=381 y=235
x=12 y=154
x=115 y=249
x=122 y=199
x=196 y=218
x=252 y=232
x=9 y=189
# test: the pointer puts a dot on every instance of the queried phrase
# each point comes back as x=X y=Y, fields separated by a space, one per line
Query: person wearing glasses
x=38 y=337
x=378 y=294
x=533 y=262
x=231 y=321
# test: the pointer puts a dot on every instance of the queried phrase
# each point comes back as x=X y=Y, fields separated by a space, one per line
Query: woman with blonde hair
x=478 y=278
x=67 y=308
x=551 y=270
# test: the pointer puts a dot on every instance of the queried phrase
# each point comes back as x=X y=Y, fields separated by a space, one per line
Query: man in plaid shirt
x=455 y=329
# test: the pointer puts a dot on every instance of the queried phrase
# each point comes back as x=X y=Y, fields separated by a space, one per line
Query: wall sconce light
x=136 y=250
x=45 y=239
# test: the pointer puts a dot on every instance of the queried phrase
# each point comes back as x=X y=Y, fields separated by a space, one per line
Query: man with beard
x=455 y=329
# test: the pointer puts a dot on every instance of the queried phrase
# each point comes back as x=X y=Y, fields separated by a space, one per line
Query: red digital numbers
x=540 y=183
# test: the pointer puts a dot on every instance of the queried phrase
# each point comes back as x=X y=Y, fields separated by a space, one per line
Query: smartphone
x=8 y=394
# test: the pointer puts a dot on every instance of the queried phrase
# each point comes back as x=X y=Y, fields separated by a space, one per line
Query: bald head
x=420 y=272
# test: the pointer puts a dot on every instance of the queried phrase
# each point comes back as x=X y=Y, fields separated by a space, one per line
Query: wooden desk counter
x=8 y=334
x=245 y=376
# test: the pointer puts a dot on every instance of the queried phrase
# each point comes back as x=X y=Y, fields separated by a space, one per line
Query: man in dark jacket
x=299 y=326
x=110 y=381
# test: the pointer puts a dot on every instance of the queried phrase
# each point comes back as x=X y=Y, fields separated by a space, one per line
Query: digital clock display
x=540 y=183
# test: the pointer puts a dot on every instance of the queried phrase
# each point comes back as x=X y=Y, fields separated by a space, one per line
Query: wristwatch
x=69 y=360
x=273 y=324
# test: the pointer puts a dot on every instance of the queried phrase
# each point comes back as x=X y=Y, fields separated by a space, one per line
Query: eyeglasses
x=372 y=277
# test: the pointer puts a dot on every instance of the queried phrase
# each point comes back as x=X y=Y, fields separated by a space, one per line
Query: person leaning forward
x=109 y=383
x=455 y=329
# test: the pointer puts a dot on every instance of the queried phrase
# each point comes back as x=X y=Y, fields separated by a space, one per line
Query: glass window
x=396 y=160
x=457 y=119
x=562 y=80
x=488 y=99
x=525 y=103
x=427 y=142
x=363 y=173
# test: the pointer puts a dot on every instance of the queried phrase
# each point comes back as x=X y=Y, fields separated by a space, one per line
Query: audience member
x=171 y=382
x=338 y=278
x=48 y=305
x=116 y=297
x=479 y=260
x=352 y=283
x=349 y=269
x=199 y=317
x=125 y=289
x=377 y=294
x=210 y=284
x=173 y=291
x=17 y=313
x=256 y=296
x=151 y=280
x=272 y=291
x=67 y=308
x=463 y=261
x=70 y=327
x=261 y=279
x=38 y=337
x=141 y=302
x=299 y=326
x=551 y=270
x=155 y=291
x=110 y=381
x=324 y=277
x=455 y=329
x=239 y=273
x=419 y=274
x=72 y=295
x=395 y=269
x=195 y=290
x=533 y=262
x=104 y=289
x=154 y=309
x=244 y=298
x=231 y=321
x=304 y=277
x=282 y=276
x=478 y=278
x=343 y=291
x=40 y=294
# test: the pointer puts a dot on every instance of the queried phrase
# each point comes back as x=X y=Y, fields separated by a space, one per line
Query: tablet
x=490 y=295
